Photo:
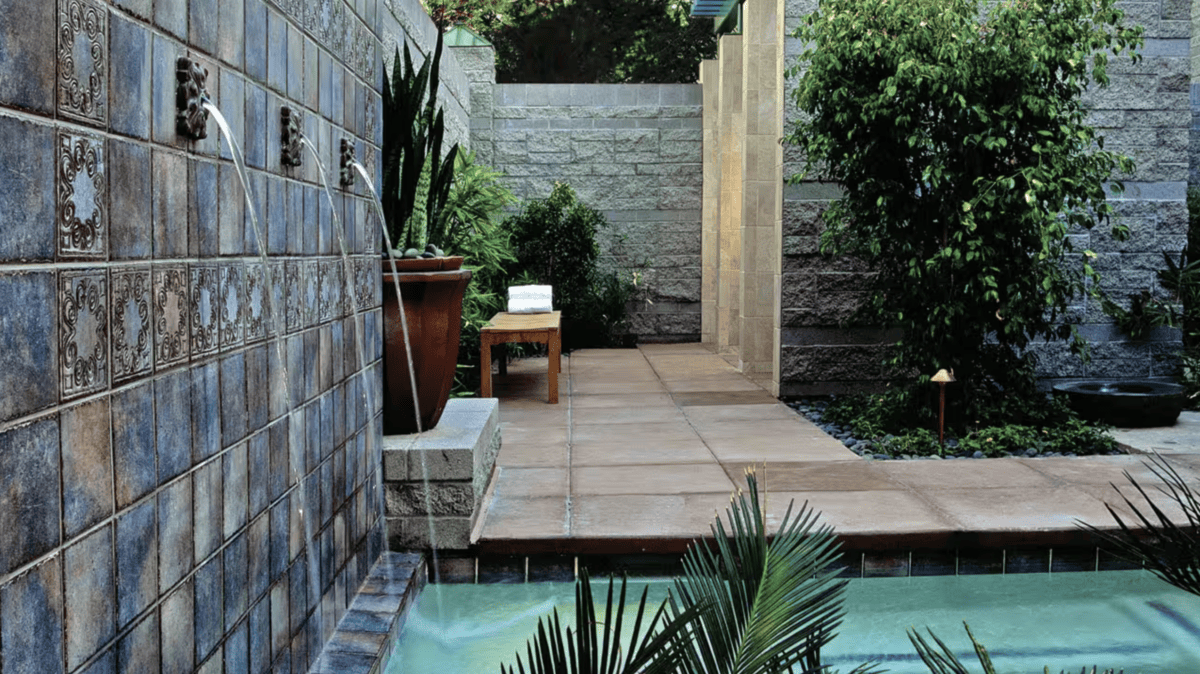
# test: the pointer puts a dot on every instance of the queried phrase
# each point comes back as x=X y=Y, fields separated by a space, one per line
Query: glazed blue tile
x=277 y=220
x=233 y=399
x=232 y=102
x=204 y=226
x=163 y=59
x=299 y=650
x=28 y=70
x=259 y=628
x=256 y=125
x=295 y=64
x=173 y=410
x=311 y=367
x=258 y=554
x=209 y=619
x=295 y=366
x=326 y=409
x=277 y=40
x=202 y=25
x=29 y=357
x=297 y=442
x=170 y=200
x=206 y=412
x=311 y=90
x=298 y=591
x=129 y=78
x=90 y=598
x=231 y=213
x=312 y=434
x=324 y=82
x=235 y=477
x=1072 y=559
x=339 y=414
x=133 y=443
x=137 y=561
x=258 y=465
x=257 y=383
x=208 y=509
x=934 y=563
x=1109 y=561
x=237 y=653
x=337 y=93
x=174 y=533
x=1026 y=561
x=129 y=199
x=294 y=212
x=334 y=473
x=172 y=16
x=321 y=228
x=256 y=47
x=279 y=459
x=280 y=522
x=236 y=588
x=283 y=662
x=337 y=345
x=255 y=238
x=87 y=476
x=231 y=38
x=177 y=631
x=313 y=201
x=280 y=632
x=328 y=558
x=31 y=621
x=137 y=651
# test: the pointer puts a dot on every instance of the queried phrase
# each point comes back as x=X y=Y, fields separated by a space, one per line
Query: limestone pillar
x=732 y=127
x=710 y=213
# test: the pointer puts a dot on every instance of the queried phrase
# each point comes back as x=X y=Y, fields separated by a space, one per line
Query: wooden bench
x=505 y=327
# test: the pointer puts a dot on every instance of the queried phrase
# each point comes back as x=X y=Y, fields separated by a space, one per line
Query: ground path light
x=942 y=378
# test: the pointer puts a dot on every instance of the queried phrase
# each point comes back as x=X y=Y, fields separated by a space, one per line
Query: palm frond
x=773 y=603
x=1168 y=550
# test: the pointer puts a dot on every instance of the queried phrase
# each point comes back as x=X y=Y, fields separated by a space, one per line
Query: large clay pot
x=433 y=307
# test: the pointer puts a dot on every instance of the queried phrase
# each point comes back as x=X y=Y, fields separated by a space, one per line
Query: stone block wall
x=189 y=447
x=632 y=151
x=1145 y=113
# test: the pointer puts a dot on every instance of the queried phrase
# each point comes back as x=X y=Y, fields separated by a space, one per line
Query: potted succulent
x=416 y=183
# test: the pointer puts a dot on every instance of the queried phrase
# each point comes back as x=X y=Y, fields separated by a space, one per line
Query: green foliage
x=957 y=133
x=1167 y=549
x=747 y=603
x=555 y=243
x=595 y=647
x=416 y=175
x=1072 y=435
x=637 y=41
x=473 y=213
x=914 y=442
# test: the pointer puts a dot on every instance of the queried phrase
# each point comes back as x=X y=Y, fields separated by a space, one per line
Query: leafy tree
x=958 y=133
x=586 y=41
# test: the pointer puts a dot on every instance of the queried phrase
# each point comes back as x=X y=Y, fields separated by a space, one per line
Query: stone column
x=762 y=188
x=710 y=208
x=732 y=127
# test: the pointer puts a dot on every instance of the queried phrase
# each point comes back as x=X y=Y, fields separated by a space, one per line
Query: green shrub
x=555 y=244
x=916 y=442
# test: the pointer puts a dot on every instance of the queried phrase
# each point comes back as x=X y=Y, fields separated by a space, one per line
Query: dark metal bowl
x=1125 y=403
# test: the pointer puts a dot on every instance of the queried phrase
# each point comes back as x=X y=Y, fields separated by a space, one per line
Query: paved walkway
x=649 y=443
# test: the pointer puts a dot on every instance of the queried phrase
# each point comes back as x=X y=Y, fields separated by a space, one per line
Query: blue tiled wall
x=171 y=499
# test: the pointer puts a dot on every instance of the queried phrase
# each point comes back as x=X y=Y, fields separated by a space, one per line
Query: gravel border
x=813 y=408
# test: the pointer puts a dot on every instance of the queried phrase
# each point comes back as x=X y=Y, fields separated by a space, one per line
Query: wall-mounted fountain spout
x=191 y=117
x=289 y=140
x=347 y=173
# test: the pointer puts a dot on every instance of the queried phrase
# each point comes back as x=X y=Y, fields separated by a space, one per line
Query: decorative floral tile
x=277 y=309
x=310 y=279
x=366 y=284
x=331 y=281
x=83 y=332
x=83 y=61
x=132 y=338
x=294 y=303
x=232 y=304
x=171 y=329
x=204 y=309
x=256 y=312
x=82 y=197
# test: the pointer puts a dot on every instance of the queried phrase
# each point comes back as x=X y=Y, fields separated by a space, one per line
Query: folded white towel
x=530 y=299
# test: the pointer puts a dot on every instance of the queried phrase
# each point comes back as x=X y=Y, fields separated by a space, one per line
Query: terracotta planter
x=433 y=307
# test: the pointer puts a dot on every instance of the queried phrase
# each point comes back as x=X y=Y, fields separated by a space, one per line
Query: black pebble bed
x=812 y=408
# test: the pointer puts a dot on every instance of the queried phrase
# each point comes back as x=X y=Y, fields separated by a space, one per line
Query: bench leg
x=554 y=365
x=485 y=368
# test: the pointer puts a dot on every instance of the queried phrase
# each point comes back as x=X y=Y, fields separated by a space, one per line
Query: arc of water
x=274 y=310
x=412 y=377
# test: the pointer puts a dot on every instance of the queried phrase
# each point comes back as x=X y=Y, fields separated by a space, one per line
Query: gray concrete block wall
x=1145 y=113
x=190 y=479
x=631 y=151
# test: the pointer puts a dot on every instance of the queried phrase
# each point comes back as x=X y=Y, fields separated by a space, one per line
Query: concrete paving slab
x=688 y=478
x=1183 y=437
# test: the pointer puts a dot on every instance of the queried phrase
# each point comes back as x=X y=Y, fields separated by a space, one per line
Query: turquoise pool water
x=1119 y=619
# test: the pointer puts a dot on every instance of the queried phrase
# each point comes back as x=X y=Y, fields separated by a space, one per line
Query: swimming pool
x=1119 y=619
